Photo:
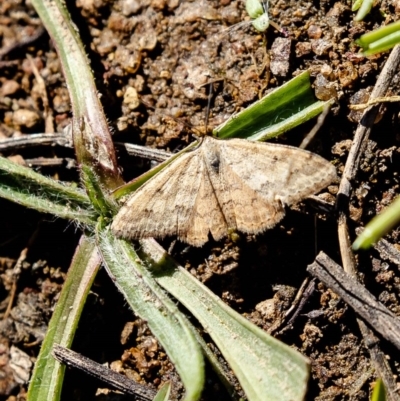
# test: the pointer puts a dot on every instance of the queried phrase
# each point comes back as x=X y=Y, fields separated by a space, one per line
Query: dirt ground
x=163 y=52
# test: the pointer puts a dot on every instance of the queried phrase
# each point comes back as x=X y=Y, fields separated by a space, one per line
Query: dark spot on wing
x=215 y=163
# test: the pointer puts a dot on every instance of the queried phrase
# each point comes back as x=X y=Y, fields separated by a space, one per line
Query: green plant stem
x=92 y=139
x=48 y=374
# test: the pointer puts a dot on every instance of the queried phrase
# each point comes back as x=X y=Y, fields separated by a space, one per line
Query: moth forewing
x=222 y=186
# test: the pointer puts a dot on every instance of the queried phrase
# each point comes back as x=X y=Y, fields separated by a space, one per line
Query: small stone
x=172 y=4
x=130 y=7
x=280 y=55
x=360 y=97
x=327 y=72
x=320 y=46
x=148 y=40
x=129 y=60
x=355 y=213
x=9 y=87
x=342 y=148
x=347 y=74
x=302 y=49
x=267 y=308
x=131 y=98
x=324 y=89
x=26 y=118
x=314 y=32
x=158 y=5
x=21 y=365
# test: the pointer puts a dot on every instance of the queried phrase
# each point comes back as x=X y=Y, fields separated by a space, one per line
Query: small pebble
x=324 y=89
x=280 y=55
x=9 y=87
x=131 y=98
x=130 y=7
x=26 y=118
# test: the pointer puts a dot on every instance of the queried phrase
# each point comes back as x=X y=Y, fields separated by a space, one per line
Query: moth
x=222 y=186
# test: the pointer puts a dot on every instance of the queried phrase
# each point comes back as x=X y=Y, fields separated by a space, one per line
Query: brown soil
x=163 y=51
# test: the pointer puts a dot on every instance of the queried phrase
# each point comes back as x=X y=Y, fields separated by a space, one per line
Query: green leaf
x=163 y=393
x=48 y=374
x=266 y=368
x=377 y=34
x=91 y=136
x=23 y=186
x=379 y=226
x=277 y=112
x=218 y=368
x=152 y=304
x=379 y=393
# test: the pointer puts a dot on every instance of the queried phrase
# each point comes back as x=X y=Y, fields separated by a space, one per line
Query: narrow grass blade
x=379 y=226
x=356 y=5
x=383 y=44
x=365 y=8
x=25 y=187
x=380 y=39
x=266 y=368
x=48 y=374
x=379 y=393
x=266 y=117
x=163 y=393
x=377 y=34
x=152 y=304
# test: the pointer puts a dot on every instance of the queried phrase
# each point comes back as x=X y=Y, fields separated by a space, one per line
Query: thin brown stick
x=47 y=110
x=364 y=127
x=357 y=296
x=370 y=340
x=358 y=146
x=320 y=121
x=303 y=295
x=27 y=141
x=17 y=271
x=64 y=139
x=387 y=251
x=21 y=43
x=114 y=379
x=47 y=162
x=366 y=305
x=382 y=99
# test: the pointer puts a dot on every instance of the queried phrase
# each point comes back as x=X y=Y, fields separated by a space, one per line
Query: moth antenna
x=265 y=6
x=210 y=93
x=226 y=31
x=320 y=121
